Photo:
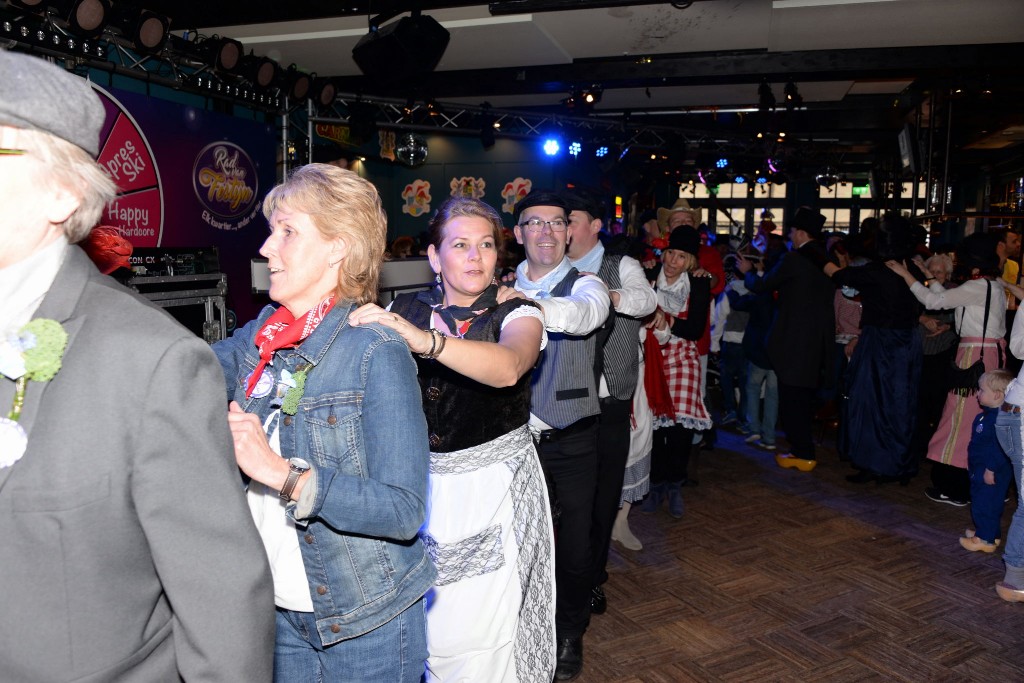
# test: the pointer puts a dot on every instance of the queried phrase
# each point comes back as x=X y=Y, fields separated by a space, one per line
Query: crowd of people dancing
x=431 y=488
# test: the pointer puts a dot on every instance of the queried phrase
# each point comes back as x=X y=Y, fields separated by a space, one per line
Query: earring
x=437 y=278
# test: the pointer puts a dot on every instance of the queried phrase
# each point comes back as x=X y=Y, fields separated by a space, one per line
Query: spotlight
x=722 y=163
x=223 y=54
x=740 y=179
x=409 y=107
x=793 y=97
x=765 y=98
x=297 y=85
x=761 y=178
x=601 y=151
x=575 y=148
x=323 y=92
x=551 y=147
x=148 y=31
x=262 y=72
x=88 y=18
x=433 y=108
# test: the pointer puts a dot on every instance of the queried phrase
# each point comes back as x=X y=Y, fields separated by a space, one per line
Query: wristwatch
x=296 y=467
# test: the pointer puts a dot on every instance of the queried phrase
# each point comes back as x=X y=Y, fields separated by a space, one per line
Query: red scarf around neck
x=283 y=331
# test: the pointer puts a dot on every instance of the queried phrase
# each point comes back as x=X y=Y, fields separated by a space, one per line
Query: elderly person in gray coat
x=128 y=550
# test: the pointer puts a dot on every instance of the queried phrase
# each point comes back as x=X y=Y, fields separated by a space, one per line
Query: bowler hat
x=538 y=198
x=685 y=238
x=808 y=220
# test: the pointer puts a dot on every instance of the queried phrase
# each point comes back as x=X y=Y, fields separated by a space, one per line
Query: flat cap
x=37 y=95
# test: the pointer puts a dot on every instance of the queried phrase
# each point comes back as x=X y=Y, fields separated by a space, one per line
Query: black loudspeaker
x=407 y=48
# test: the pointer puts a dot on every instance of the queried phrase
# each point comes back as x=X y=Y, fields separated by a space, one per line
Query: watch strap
x=289 y=484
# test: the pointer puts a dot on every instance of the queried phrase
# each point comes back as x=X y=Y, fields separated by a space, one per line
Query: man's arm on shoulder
x=636 y=297
x=581 y=312
x=188 y=493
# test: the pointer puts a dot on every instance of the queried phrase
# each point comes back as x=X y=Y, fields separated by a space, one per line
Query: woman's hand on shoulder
x=419 y=341
x=506 y=293
x=700 y=272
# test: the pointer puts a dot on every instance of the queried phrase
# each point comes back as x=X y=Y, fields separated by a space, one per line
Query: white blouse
x=969 y=301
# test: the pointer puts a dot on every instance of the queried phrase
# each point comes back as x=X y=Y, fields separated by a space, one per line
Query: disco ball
x=411 y=150
x=827 y=177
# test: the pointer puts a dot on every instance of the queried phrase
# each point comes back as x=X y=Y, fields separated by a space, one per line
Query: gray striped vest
x=621 y=361
x=564 y=387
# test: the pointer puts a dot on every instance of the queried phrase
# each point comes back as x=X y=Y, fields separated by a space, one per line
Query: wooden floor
x=777 y=575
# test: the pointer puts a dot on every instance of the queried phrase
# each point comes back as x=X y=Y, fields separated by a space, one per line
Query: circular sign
x=138 y=210
x=226 y=184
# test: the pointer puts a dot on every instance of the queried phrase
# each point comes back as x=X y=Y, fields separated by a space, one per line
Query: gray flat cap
x=38 y=95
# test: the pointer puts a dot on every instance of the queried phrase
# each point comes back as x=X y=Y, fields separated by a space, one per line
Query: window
x=695 y=191
x=837 y=219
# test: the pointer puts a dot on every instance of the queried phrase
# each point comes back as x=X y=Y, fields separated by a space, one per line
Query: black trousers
x=569 y=459
x=670 y=455
x=612 y=453
x=796 y=412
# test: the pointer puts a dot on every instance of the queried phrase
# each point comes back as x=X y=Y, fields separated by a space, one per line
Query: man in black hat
x=633 y=299
x=802 y=340
x=564 y=405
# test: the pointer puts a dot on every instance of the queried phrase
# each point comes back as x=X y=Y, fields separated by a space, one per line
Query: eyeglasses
x=12 y=152
x=537 y=225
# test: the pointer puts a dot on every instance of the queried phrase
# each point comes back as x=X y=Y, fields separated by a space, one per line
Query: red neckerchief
x=283 y=331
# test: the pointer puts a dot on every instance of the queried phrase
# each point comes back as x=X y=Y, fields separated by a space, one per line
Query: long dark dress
x=880 y=408
x=491 y=615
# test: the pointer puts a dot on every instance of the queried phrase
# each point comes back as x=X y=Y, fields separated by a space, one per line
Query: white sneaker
x=752 y=438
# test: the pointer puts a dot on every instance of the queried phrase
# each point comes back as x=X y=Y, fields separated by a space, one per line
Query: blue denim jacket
x=360 y=425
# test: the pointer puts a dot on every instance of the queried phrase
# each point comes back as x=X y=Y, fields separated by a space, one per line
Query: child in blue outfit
x=988 y=466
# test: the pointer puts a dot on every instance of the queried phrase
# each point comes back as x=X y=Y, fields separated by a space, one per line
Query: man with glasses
x=128 y=549
x=564 y=405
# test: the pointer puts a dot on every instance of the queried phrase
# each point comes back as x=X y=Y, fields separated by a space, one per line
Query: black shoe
x=861 y=477
x=598 y=600
x=570 y=658
x=940 y=497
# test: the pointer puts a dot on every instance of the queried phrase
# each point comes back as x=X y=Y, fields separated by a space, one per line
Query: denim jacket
x=360 y=425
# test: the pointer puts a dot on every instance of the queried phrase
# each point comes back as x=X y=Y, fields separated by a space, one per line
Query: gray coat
x=128 y=551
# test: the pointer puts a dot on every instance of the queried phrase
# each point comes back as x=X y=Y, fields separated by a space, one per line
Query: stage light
x=793 y=98
x=223 y=54
x=262 y=72
x=740 y=179
x=551 y=147
x=148 y=31
x=88 y=18
x=297 y=85
x=601 y=151
x=433 y=108
x=765 y=98
x=575 y=148
x=722 y=163
x=409 y=107
x=323 y=92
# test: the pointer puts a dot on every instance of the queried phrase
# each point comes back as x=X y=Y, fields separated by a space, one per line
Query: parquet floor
x=777 y=575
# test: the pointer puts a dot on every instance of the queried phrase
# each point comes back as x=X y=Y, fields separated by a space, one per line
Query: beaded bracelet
x=433 y=345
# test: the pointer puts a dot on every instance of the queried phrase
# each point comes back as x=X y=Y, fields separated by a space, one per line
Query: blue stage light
x=740 y=179
x=575 y=148
x=601 y=151
x=722 y=163
x=551 y=147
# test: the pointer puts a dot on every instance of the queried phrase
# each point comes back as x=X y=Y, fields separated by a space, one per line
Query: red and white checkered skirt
x=681 y=365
